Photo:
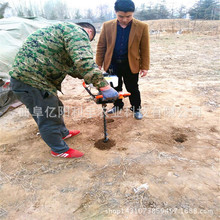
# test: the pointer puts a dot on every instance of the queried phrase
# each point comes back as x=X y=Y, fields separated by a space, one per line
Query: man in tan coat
x=123 y=49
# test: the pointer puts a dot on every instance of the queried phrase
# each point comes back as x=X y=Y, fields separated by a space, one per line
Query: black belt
x=121 y=61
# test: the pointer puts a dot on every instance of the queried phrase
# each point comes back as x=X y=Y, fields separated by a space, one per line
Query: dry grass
x=185 y=25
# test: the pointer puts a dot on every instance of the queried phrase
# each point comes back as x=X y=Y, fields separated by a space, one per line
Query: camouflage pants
x=47 y=111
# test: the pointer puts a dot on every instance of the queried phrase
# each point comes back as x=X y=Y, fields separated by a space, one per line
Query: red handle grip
x=99 y=97
x=84 y=84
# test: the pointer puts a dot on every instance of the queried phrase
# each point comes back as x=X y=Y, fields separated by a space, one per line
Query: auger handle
x=121 y=95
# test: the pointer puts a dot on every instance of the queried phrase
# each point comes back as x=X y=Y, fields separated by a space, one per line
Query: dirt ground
x=162 y=167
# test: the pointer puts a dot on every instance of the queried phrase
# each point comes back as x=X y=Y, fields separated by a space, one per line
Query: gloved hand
x=109 y=93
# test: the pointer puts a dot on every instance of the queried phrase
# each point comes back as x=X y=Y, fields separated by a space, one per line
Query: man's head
x=124 y=5
x=89 y=28
x=124 y=10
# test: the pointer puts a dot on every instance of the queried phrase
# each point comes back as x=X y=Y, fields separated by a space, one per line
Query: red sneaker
x=71 y=134
x=68 y=154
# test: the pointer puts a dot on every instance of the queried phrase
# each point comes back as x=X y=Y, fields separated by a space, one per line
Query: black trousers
x=122 y=70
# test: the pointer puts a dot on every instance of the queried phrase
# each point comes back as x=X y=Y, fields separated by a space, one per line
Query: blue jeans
x=47 y=111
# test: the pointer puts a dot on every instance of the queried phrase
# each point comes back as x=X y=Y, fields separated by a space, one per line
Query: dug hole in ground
x=164 y=166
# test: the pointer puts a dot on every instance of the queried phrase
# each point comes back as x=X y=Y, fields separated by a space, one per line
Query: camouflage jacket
x=50 y=53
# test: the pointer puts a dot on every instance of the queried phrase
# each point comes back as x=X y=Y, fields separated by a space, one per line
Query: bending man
x=40 y=66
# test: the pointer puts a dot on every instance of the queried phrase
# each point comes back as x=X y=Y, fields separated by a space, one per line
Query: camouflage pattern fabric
x=50 y=53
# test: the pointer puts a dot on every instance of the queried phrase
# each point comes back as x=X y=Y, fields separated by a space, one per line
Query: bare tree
x=104 y=12
x=62 y=11
x=182 y=11
x=3 y=6
x=89 y=14
x=78 y=14
x=50 y=10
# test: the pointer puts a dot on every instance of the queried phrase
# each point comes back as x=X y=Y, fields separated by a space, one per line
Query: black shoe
x=114 y=110
x=138 y=115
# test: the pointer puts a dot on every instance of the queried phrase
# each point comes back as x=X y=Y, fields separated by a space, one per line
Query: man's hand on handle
x=109 y=93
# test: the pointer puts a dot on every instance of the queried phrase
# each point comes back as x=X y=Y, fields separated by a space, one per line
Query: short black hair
x=124 y=5
x=88 y=25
